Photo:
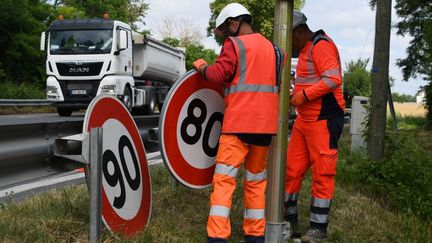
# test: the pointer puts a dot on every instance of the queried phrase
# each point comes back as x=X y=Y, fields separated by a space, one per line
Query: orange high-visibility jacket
x=251 y=99
x=319 y=76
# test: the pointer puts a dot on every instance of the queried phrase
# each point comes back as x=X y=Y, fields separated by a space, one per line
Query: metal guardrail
x=24 y=102
x=26 y=150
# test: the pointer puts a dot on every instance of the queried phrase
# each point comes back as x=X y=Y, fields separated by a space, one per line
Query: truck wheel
x=64 y=111
x=127 y=98
x=160 y=105
x=150 y=108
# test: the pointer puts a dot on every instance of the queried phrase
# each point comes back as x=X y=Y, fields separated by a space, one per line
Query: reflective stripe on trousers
x=231 y=154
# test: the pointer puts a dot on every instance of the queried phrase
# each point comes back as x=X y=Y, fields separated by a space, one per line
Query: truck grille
x=79 y=69
x=87 y=88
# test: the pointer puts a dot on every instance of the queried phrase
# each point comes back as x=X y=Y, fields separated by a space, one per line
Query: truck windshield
x=73 y=42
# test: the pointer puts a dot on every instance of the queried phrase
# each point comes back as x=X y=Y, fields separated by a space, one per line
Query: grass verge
x=360 y=212
x=179 y=215
x=26 y=110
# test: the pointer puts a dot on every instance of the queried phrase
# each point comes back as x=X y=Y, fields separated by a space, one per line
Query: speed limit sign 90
x=189 y=128
x=126 y=189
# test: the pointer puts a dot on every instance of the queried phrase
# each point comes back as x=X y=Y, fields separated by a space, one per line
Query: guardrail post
x=95 y=155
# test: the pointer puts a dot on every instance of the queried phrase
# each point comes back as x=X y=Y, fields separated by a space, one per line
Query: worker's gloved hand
x=199 y=65
x=298 y=98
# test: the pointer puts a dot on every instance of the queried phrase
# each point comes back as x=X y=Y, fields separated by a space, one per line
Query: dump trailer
x=89 y=57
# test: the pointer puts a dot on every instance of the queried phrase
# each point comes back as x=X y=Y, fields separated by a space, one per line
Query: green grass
x=26 y=110
x=360 y=213
x=179 y=214
x=9 y=90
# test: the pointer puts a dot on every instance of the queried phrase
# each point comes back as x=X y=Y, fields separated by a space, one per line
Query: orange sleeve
x=326 y=59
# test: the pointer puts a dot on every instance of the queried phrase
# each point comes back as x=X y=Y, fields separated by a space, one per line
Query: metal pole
x=275 y=226
x=392 y=109
x=95 y=159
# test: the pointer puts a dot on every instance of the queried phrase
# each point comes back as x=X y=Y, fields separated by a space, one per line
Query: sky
x=349 y=23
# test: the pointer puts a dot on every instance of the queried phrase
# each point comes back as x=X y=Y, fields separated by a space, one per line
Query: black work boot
x=313 y=235
x=295 y=229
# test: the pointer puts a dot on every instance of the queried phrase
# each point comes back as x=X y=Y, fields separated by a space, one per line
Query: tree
x=403 y=98
x=20 y=58
x=417 y=22
x=184 y=30
x=128 y=11
x=380 y=80
x=193 y=51
x=262 y=12
x=185 y=34
x=357 y=80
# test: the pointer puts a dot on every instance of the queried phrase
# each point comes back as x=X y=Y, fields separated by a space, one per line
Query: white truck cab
x=89 y=57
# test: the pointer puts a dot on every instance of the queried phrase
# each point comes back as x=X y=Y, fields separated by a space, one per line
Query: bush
x=428 y=101
x=402 y=179
x=9 y=90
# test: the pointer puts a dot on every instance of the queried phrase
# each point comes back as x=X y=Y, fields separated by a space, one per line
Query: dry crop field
x=410 y=109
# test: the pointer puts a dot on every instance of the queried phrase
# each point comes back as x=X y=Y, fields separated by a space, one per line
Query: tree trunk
x=380 y=80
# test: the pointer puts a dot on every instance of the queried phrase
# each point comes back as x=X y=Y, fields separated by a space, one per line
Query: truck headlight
x=52 y=92
x=108 y=89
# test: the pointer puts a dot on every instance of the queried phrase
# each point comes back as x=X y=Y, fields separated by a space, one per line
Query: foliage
x=193 y=52
x=171 y=41
x=186 y=31
x=403 y=98
x=9 y=90
x=402 y=179
x=357 y=79
x=128 y=11
x=428 y=101
x=262 y=13
x=417 y=22
x=20 y=58
x=179 y=214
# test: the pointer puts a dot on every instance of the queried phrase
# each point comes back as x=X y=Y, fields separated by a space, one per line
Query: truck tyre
x=127 y=99
x=64 y=111
x=150 y=108
x=160 y=105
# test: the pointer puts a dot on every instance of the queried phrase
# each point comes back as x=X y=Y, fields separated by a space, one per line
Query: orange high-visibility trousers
x=231 y=154
x=313 y=144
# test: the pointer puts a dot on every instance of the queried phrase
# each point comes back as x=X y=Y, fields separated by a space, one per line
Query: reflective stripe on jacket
x=251 y=99
x=319 y=74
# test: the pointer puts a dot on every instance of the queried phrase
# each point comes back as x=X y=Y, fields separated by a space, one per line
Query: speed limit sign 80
x=189 y=128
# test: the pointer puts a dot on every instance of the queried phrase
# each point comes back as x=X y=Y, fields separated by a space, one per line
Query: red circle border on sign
x=110 y=108
x=186 y=174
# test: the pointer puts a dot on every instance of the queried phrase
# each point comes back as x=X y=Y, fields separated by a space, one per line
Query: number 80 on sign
x=189 y=129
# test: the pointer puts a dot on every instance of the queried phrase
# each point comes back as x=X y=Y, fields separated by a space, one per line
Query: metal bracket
x=74 y=147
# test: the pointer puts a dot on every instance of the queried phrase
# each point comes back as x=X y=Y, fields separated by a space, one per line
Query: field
x=409 y=109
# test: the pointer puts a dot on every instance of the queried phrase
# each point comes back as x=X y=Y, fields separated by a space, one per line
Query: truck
x=89 y=57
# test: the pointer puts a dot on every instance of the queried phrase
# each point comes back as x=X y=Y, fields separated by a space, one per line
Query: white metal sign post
x=95 y=184
x=189 y=129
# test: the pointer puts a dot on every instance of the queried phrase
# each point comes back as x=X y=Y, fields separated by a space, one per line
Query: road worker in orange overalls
x=247 y=67
x=313 y=144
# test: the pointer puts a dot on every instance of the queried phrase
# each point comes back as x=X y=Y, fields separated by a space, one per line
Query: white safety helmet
x=298 y=18
x=231 y=10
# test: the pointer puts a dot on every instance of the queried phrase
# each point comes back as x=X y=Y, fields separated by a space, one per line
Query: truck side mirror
x=122 y=40
x=42 y=41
